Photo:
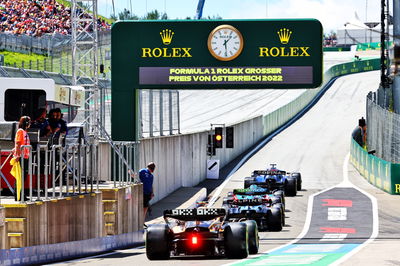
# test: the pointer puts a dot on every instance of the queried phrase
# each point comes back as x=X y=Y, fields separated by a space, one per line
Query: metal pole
x=151 y=113
x=161 y=114
x=179 y=112
x=67 y=167
x=46 y=172
x=60 y=166
x=115 y=168
x=38 y=171
x=79 y=169
x=396 y=61
x=30 y=173
x=53 y=155
x=170 y=112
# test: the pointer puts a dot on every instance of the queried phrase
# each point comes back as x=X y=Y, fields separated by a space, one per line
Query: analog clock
x=225 y=43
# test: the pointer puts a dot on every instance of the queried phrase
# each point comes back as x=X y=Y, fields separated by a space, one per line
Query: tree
x=125 y=15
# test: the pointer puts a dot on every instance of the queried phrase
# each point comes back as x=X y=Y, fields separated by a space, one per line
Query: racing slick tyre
x=252 y=231
x=227 y=201
x=291 y=187
x=157 y=242
x=275 y=220
x=299 y=181
x=280 y=194
x=235 y=238
x=280 y=206
x=247 y=182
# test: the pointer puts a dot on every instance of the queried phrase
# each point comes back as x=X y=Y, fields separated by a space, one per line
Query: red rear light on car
x=235 y=199
x=194 y=240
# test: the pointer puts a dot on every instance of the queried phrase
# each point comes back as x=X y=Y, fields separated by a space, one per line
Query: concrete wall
x=181 y=160
x=3 y=236
x=68 y=219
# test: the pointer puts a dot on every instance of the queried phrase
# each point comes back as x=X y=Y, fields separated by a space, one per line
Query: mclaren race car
x=275 y=179
x=256 y=204
x=201 y=231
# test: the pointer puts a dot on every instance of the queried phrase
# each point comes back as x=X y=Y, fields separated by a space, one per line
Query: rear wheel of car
x=299 y=181
x=248 y=181
x=236 y=245
x=157 y=242
x=275 y=219
x=280 y=206
x=280 y=194
x=252 y=231
x=291 y=187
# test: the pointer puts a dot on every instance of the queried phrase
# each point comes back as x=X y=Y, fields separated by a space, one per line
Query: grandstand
x=36 y=18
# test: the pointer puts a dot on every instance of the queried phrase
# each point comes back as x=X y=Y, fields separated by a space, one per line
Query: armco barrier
x=380 y=173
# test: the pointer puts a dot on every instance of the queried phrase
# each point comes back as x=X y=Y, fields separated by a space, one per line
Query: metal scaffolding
x=85 y=62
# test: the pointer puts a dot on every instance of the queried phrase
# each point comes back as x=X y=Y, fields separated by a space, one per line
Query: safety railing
x=57 y=171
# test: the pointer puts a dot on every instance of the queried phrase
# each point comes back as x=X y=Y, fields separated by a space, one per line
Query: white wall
x=181 y=159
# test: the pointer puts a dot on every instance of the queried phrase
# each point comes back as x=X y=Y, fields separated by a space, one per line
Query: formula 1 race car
x=201 y=231
x=274 y=178
x=256 y=204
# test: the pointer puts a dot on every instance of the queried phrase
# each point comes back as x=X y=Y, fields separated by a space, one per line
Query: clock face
x=225 y=43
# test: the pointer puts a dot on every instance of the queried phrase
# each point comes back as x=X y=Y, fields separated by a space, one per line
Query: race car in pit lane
x=201 y=231
x=256 y=204
x=275 y=179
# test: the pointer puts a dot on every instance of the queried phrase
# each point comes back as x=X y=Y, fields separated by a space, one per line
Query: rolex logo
x=284 y=35
x=166 y=36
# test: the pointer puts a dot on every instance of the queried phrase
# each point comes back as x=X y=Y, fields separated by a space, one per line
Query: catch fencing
x=383 y=130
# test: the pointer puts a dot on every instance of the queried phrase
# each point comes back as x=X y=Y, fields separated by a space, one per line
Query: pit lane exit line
x=292 y=253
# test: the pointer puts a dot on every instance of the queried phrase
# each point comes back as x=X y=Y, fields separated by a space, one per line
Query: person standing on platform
x=22 y=139
x=146 y=176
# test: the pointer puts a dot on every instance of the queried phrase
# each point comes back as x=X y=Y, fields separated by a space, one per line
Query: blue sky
x=332 y=13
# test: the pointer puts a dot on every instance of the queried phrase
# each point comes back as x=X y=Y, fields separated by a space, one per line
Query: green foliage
x=12 y=58
x=69 y=4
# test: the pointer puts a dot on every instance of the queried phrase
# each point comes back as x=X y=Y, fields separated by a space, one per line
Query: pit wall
x=378 y=172
x=181 y=159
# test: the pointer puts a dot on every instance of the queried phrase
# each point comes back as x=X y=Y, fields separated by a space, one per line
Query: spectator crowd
x=38 y=17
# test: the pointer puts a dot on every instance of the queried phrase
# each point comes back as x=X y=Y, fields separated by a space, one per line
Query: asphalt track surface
x=316 y=145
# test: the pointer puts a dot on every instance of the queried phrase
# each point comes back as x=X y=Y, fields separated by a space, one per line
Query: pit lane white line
x=375 y=228
x=345 y=183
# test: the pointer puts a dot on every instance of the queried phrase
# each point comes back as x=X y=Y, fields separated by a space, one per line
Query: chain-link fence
x=383 y=130
x=159 y=112
x=59 y=49
x=48 y=44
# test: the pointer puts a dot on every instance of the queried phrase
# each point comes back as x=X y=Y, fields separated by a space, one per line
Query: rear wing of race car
x=199 y=214
x=268 y=172
x=248 y=191
x=251 y=201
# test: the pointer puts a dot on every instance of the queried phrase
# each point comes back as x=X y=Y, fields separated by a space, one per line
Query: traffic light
x=210 y=147
x=218 y=137
x=229 y=137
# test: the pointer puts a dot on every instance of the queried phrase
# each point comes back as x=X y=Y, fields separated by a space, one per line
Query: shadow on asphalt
x=120 y=255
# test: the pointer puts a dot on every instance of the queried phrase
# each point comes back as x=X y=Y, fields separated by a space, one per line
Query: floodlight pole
x=396 y=59
x=85 y=61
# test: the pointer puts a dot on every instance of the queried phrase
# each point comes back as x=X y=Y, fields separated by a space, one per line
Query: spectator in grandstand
x=35 y=18
x=360 y=132
x=42 y=123
x=146 y=176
